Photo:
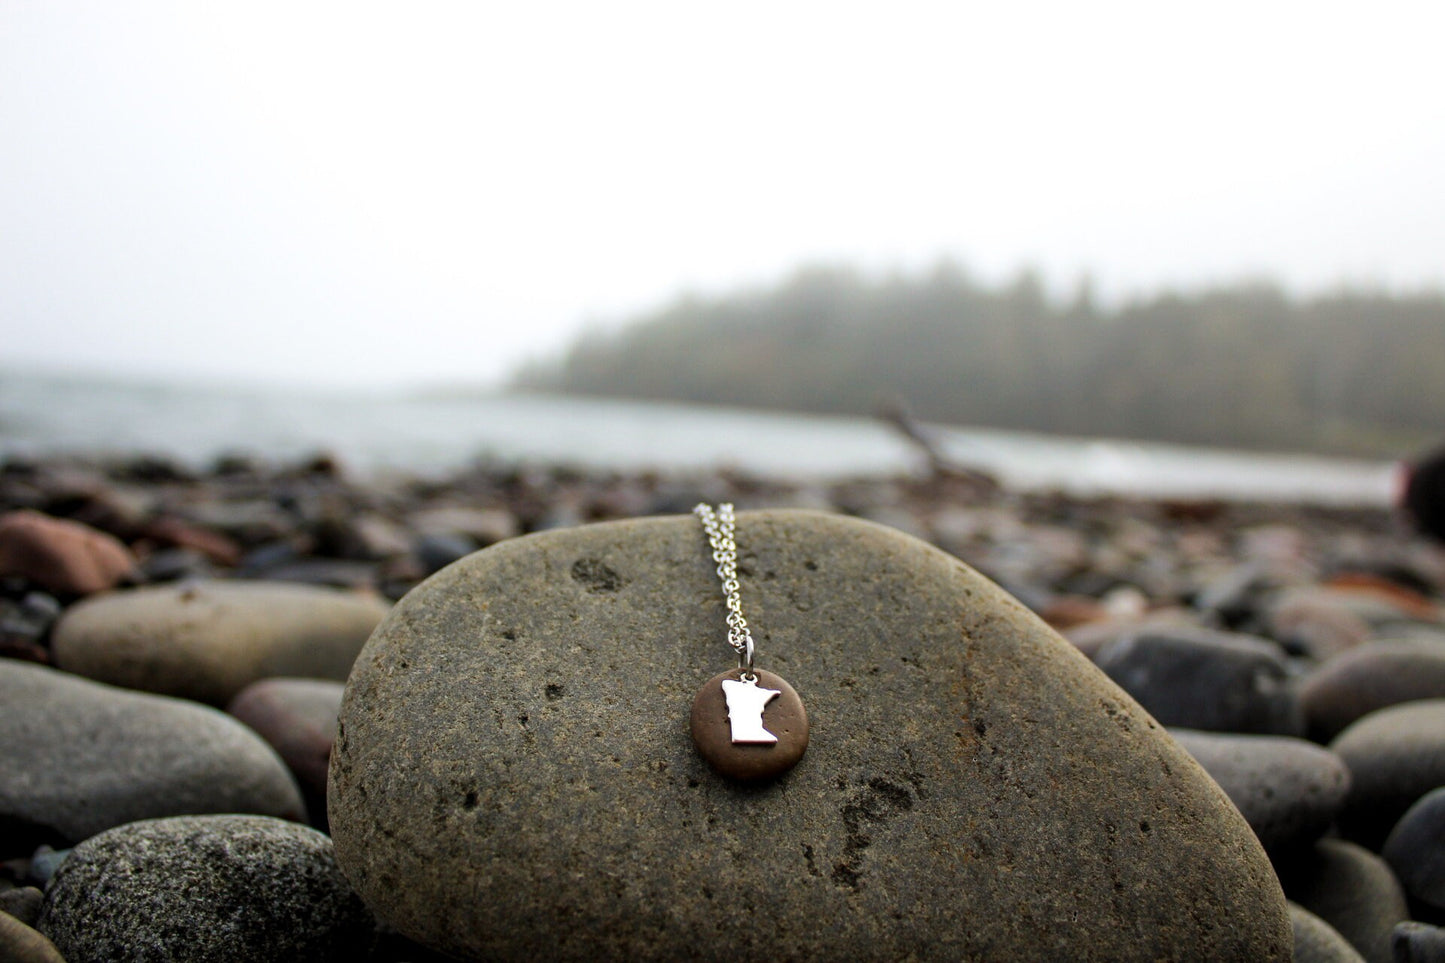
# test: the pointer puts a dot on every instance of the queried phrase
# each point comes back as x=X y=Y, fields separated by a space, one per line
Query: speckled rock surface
x=209 y=640
x=1395 y=755
x=79 y=757
x=1351 y=889
x=1316 y=941
x=229 y=889
x=514 y=771
x=1289 y=790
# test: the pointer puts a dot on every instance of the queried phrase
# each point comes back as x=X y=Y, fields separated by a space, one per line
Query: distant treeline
x=1243 y=365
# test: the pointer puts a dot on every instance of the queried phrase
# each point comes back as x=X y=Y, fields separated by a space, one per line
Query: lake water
x=375 y=433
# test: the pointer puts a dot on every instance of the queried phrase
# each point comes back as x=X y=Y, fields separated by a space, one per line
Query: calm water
x=43 y=414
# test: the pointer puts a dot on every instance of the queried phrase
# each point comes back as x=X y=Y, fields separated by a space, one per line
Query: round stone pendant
x=749 y=726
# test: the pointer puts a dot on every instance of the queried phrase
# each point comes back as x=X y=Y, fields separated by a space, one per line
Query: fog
x=382 y=195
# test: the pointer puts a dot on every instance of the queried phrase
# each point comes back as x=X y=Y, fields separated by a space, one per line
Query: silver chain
x=720 y=526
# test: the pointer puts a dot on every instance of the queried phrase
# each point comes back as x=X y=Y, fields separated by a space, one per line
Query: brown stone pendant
x=749 y=726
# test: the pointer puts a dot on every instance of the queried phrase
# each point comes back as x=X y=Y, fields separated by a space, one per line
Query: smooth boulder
x=514 y=770
x=228 y=889
x=80 y=757
x=209 y=640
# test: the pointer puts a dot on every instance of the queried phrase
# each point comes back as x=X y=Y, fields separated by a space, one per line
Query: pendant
x=749 y=725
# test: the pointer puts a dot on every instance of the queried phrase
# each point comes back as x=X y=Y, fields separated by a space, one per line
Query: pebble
x=22 y=902
x=440 y=550
x=1373 y=676
x=60 y=555
x=223 y=888
x=1415 y=850
x=172 y=532
x=1352 y=890
x=207 y=641
x=81 y=757
x=958 y=746
x=1417 y=942
x=1395 y=755
x=1288 y=790
x=20 y=943
x=1196 y=678
x=297 y=717
x=485 y=526
x=1316 y=941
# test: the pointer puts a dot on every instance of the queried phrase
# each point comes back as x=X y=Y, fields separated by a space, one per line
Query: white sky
x=376 y=194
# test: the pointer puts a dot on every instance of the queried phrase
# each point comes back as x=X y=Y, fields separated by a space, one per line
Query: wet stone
x=514 y=767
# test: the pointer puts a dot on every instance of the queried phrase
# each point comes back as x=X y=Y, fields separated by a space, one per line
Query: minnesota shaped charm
x=749 y=726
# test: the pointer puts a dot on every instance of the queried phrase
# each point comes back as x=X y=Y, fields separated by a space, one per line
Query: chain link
x=720 y=526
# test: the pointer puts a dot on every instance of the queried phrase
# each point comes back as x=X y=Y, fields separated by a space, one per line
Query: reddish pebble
x=61 y=556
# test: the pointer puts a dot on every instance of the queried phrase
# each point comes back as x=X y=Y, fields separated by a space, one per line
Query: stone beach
x=1042 y=727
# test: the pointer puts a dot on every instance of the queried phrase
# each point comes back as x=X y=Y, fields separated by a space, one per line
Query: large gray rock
x=1289 y=790
x=209 y=640
x=228 y=889
x=514 y=775
x=78 y=757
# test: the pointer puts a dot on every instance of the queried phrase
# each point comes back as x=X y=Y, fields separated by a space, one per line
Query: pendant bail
x=745 y=656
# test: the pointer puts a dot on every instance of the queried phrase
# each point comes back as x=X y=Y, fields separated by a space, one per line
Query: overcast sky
x=385 y=194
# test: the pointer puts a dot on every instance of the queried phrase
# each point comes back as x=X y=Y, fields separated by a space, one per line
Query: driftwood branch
x=894 y=413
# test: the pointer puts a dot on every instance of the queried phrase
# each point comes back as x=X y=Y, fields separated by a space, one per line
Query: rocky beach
x=256 y=711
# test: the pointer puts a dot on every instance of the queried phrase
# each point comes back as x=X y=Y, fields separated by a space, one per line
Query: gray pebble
x=81 y=757
x=1415 y=850
x=1395 y=755
x=1316 y=941
x=1201 y=679
x=1352 y=890
x=1289 y=790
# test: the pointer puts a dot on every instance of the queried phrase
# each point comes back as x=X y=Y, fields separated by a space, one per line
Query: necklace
x=747 y=723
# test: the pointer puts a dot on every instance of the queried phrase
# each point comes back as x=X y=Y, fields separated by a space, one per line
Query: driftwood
x=895 y=413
